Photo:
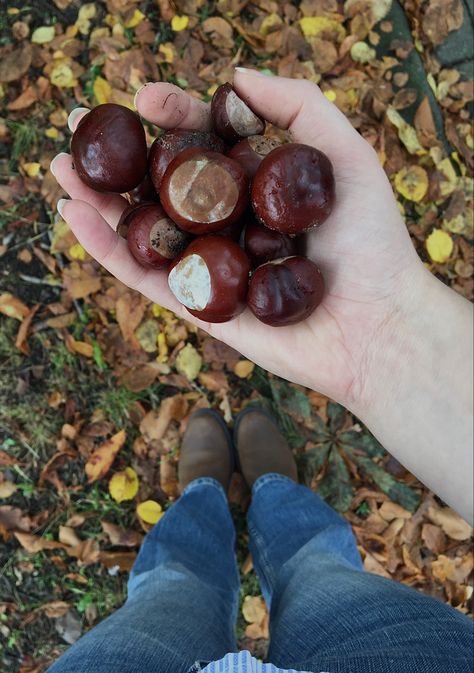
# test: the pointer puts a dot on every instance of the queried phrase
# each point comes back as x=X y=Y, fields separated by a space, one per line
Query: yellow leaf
x=412 y=183
x=450 y=180
x=124 y=485
x=406 y=133
x=253 y=609
x=212 y=89
x=157 y=310
x=162 y=347
x=330 y=95
x=102 y=458
x=87 y=12
x=76 y=251
x=188 y=362
x=136 y=18
x=269 y=22
x=62 y=76
x=52 y=133
x=313 y=26
x=43 y=34
x=147 y=335
x=439 y=245
x=32 y=169
x=7 y=488
x=102 y=90
x=150 y=511
x=244 y=368
x=362 y=53
x=167 y=49
x=179 y=23
x=13 y=307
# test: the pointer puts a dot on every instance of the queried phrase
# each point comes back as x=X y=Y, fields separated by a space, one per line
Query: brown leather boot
x=261 y=447
x=207 y=449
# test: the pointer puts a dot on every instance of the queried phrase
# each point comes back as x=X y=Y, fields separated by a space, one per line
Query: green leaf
x=396 y=490
x=336 y=486
x=292 y=400
x=336 y=415
x=362 y=441
x=312 y=461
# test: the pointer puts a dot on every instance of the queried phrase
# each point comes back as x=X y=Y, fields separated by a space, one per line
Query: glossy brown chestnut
x=293 y=189
x=250 y=152
x=204 y=191
x=153 y=239
x=144 y=192
x=124 y=221
x=108 y=149
x=232 y=118
x=211 y=278
x=285 y=291
x=167 y=146
x=262 y=244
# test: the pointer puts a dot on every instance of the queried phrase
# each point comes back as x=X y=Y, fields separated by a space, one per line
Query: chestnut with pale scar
x=190 y=282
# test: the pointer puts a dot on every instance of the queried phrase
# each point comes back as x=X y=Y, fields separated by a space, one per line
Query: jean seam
x=205 y=481
x=263 y=562
x=270 y=477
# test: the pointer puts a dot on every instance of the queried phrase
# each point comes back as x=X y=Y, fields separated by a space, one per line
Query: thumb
x=300 y=107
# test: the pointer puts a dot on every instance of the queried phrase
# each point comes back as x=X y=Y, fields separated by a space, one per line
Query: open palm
x=363 y=249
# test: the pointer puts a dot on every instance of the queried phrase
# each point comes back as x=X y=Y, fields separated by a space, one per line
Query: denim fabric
x=326 y=614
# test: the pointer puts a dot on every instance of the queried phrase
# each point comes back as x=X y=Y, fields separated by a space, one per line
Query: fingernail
x=74 y=115
x=60 y=206
x=250 y=71
x=137 y=92
x=54 y=160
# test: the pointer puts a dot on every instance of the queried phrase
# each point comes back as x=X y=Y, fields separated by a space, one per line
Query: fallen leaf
x=43 y=35
x=150 y=511
x=13 y=307
x=24 y=101
x=406 y=133
x=130 y=309
x=124 y=485
x=169 y=477
x=244 y=368
x=120 y=536
x=439 y=245
x=101 y=459
x=454 y=569
x=433 y=537
x=13 y=518
x=179 y=23
x=123 y=560
x=102 y=90
x=189 y=362
x=315 y=26
x=253 y=609
x=54 y=609
x=22 y=335
x=16 y=63
x=7 y=488
x=67 y=535
x=35 y=543
x=214 y=381
x=412 y=183
x=452 y=524
x=362 y=53
x=156 y=422
x=391 y=510
x=147 y=335
x=136 y=18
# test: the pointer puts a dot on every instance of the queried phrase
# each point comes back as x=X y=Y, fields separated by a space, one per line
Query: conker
x=232 y=118
x=109 y=149
x=250 y=152
x=285 y=291
x=210 y=278
x=153 y=239
x=293 y=189
x=263 y=244
x=167 y=146
x=204 y=191
x=144 y=192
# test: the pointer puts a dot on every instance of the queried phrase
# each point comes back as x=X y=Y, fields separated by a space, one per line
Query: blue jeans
x=326 y=614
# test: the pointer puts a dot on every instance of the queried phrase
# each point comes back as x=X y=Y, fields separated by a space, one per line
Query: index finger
x=169 y=107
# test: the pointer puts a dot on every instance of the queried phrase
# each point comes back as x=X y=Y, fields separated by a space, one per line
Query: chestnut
x=211 y=278
x=232 y=118
x=204 y=191
x=293 y=189
x=153 y=239
x=250 y=152
x=143 y=193
x=285 y=291
x=262 y=244
x=124 y=222
x=109 y=150
x=168 y=145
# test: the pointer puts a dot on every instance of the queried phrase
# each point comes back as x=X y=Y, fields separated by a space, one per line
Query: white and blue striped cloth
x=240 y=662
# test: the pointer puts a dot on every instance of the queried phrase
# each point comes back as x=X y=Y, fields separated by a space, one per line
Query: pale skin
x=390 y=342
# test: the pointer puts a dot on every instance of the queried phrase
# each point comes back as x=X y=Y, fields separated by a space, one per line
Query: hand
x=363 y=249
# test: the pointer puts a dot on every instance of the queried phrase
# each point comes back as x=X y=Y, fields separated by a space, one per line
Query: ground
x=90 y=371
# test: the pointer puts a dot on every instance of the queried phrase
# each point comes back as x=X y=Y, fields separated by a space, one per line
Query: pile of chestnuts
x=222 y=211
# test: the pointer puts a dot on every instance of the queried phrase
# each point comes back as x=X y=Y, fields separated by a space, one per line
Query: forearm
x=418 y=401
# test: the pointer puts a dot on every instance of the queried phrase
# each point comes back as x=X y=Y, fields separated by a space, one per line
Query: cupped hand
x=363 y=249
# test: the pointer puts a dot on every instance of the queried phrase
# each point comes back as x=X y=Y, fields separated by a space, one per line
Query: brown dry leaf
x=61 y=321
x=79 y=282
x=457 y=569
x=442 y=17
x=80 y=347
x=390 y=510
x=214 y=381
x=7 y=488
x=24 y=100
x=433 y=537
x=124 y=560
x=101 y=459
x=16 y=63
x=371 y=565
x=254 y=609
x=13 y=518
x=55 y=609
x=244 y=368
x=220 y=32
x=169 y=477
x=130 y=309
x=86 y=552
x=424 y=124
x=139 y=378
x=68 y=536
x=452 y=524
x=5 y=459
x=257 y=631
x=35 y=543
x=21 y=337
x=13 y=307
x=217 y=354
x=121 y=536
x=155 y=423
